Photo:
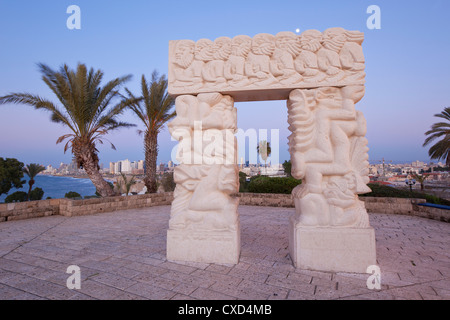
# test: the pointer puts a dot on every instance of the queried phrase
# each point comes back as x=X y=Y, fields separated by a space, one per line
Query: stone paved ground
x=122 y=256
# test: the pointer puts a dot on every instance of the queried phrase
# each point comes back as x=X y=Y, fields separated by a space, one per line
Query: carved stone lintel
x=266 y=67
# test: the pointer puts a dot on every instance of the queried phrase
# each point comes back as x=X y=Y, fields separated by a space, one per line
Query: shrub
x=379 y=190
x=243 y=183
x=72 y=194
x=262 y=184
x=167 y=182
x=36 y=194
x=19 y=196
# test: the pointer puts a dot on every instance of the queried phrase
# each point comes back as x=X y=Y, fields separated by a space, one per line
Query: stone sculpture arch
x=321 y=75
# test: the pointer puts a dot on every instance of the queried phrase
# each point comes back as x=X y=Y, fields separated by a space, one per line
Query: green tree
x=72 y=194
x=287 y=165
x=18 y=196
x=168 y=182
x=85 y=108
x=32 y=170
x=153 y=108
x=242 y=182
x=36 y=194
x=11 y=174
x=420 y=178
x=440 y=130
x=264 y=150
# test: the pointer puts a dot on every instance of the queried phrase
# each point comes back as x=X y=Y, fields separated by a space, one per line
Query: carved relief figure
x=213 y=69
x=287 y=47
x=234 y=69
x=306 y=62
x=206 y=112
x=328 y=56
x=352 y=56
x=197 y=183
x=326 y=151
x=187 y=72
x=257 y=67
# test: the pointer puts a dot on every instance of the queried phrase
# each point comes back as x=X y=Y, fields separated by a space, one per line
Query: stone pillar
x=330 y=229
x=204 y=222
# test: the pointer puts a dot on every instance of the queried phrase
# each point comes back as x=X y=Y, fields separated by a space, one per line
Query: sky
x=407 y=64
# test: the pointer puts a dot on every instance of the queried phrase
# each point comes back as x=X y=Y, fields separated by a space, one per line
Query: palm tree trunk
x=100 y=184
x=30 y=183
x=151 y=155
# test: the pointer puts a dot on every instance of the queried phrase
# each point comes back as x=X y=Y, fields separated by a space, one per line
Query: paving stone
x=125 y=259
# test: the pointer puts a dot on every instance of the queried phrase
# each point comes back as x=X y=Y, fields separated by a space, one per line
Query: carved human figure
x=327 y=123
x=234 y=69
x=306 y=62
x=213 y=69
x=352 y=56
x=328 y=56
x=187 y=71
x=197 y=183
x=287 y=47
x=345 y=207
x=257 y=66
x=213 y=110
x=207 y=121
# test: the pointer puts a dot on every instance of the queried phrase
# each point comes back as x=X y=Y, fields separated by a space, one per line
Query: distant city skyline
x=406 y=65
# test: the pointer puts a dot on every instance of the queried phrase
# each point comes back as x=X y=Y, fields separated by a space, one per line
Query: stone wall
x=373 y=205
x=266 y=199
x=30 y=209
x=390 y=205
x=69 y=208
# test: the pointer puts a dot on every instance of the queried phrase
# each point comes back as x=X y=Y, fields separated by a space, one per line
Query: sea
x=56 y=187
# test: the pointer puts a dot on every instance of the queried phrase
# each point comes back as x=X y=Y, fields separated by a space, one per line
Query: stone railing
x=67 y=207
x=373 y=205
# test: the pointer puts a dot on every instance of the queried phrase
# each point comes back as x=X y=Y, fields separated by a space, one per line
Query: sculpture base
x=332 y=249
x=204 y=246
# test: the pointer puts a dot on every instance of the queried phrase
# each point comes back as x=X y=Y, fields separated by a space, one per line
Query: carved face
x=310 y=40
x=264 y=44
x=204 y=50
x=184 y=53
x=288 y=41
x=334 y=39
x=241 y=46
x=350 y=178
x=222 y=48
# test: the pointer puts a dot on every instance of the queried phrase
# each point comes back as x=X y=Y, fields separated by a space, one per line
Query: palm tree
x=85 y=108
x=264 y=151
x=420 y=178
x=32 y=170
x=125 y=183
x=153 y=108
x=441 y=149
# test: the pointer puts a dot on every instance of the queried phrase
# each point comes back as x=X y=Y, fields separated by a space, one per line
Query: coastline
x=78 y=176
